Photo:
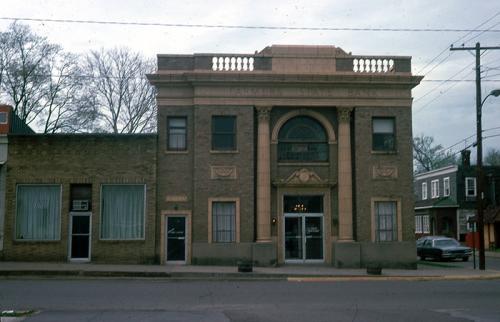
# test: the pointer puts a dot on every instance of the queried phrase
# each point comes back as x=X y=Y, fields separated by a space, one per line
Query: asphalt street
x=205 y=301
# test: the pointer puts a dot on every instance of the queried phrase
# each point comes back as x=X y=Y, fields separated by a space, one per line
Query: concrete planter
x=374 y=270
x=245 y=266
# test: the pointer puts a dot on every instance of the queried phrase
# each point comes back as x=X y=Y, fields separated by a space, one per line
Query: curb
x=393 y=278
x=126 y=274
x=179 y=276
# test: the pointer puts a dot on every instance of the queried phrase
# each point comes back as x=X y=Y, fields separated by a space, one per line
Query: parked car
x=421 y=240
x=442 y=248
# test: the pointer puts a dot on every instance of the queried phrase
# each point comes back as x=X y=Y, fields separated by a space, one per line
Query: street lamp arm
x=495 y=92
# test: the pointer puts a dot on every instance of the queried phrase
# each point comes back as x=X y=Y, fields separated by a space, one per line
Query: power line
x=439 y=95
x=183 y=25
x=486 y=80
x=462 y=80
x=443 y=82
x=482 y=32
x=446 y=48
x=455 y=82
x=442 y=151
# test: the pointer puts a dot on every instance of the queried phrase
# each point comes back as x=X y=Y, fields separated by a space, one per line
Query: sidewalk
x=196 y=272
x=492 y=254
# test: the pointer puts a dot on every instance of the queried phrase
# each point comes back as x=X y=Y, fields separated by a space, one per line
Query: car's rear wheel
x=465 y=259
x=422 y=258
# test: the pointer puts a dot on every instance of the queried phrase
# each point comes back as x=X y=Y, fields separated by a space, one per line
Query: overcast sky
x=447 y=112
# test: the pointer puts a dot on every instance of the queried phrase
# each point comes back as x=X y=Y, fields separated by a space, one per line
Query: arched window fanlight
x=302 y=139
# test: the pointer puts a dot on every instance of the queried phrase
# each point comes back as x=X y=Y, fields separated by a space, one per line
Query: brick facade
x=337 y=92
x=77 y=159
x=288 y=81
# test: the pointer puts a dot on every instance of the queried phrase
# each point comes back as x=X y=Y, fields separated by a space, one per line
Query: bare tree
x=492 y=157
x=39 y=80
x=25 y=69
x=123 y=98
x=58 y=108
x=429 y=156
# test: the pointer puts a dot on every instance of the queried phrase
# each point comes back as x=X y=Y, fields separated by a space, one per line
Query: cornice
x=256 y=77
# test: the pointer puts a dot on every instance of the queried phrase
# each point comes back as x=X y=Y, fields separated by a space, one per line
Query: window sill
x=121 y=240
x=224 y=152
x=39 y=241
x=384 y=152
x=321 y=164
x=176 y=152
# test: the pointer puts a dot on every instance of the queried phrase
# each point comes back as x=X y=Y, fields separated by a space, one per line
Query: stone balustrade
x=232 y=63
x=367 y=65
x=251 y=63
x=373 y=64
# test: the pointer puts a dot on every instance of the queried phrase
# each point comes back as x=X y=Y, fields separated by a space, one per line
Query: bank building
x=293 y=154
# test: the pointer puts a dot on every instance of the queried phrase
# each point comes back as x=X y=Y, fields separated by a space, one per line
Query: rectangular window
x=3 y=118
x=418 y=224
x=424 y=191
x=446 y=186
x=224 y=222
x=470 y=187
x=38 y=212
x=176 y=133
x=422 y=224
x=122 y=211
x=385 y=220
x=435 y=189
x=223 y=133
x=426 y=228
x=384 y=138
x=471 y=223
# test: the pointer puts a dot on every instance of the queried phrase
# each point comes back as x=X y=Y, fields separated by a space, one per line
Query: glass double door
x=303 y=237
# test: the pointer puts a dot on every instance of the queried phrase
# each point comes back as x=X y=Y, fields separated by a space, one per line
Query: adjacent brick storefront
x=81 y=159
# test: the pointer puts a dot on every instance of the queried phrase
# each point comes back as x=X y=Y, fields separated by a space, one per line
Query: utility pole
x=479 y=141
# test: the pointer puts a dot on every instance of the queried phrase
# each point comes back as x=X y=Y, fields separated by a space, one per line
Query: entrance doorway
x=176 y=239
x=303 y=229
x=79 y=246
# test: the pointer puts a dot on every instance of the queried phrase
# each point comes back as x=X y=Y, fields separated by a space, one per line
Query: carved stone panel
x=176 y=198
x=223 y=172
x=303 y=177
x=385 y=172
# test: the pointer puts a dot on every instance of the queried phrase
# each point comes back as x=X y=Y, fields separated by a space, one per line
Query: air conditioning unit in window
x=80 y=205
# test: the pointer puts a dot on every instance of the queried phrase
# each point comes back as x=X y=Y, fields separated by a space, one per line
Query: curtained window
x=384 y=137
x=385 y=218
x=177 y=133
x=38 y=215
x=122 y=214
x=224 y=222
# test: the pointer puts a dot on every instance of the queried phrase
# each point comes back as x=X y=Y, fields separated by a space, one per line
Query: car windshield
x=446 y=242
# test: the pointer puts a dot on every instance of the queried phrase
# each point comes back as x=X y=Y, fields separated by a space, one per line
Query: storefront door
x=79 y=248
x=176 y=239
x=303 y=238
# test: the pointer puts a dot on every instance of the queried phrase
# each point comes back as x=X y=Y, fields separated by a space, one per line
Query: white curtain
x=38 y=212
x=224 y=222
x=122 y=212
x=386 y=221
x=383 y=125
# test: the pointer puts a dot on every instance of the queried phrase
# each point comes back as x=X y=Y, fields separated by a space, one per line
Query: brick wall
x=367 y=187
x=92 y=159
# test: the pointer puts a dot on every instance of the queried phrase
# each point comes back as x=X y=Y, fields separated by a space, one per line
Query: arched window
x=302 y=139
